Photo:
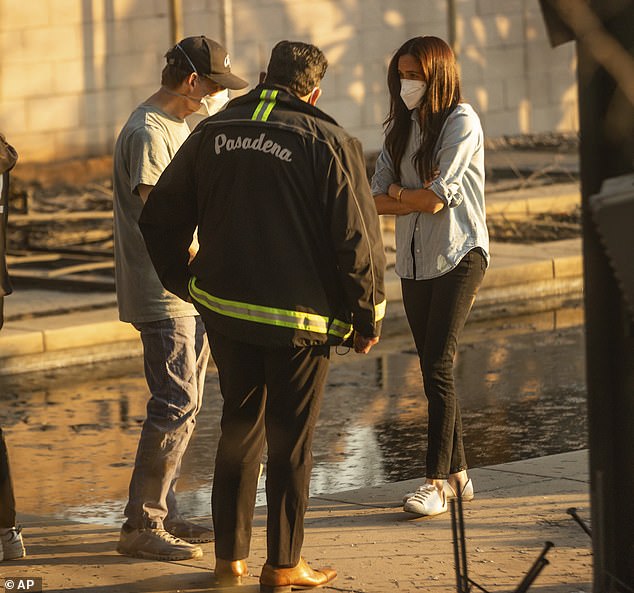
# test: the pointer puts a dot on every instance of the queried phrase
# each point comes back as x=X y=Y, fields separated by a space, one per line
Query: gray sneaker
x=155 y=544
x=11 y=544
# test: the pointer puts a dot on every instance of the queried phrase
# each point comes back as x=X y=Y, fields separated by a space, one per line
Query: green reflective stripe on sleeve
x=340 y=328
x=268 y=315
x=267 y=99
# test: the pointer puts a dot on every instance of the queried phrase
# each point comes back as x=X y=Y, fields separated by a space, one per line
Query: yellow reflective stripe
x=349 y=333
x=270 y=107
x=379 y=310
x=340 y=329
x=260 y=104
x=267 y=315
x=267 y=98
x=340 y=324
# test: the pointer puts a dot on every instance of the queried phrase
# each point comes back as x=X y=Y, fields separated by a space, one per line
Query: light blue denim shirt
x=436 y=243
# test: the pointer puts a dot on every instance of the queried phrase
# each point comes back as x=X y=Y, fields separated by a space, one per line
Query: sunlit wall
x=72 y=70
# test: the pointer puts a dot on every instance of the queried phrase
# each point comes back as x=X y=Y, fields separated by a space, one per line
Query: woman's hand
x=414 y=200
x=393 y=191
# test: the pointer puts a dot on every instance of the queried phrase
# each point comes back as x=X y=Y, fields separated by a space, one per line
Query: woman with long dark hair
x=430 y=174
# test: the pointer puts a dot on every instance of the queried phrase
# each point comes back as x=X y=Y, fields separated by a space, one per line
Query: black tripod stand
x=464 y=584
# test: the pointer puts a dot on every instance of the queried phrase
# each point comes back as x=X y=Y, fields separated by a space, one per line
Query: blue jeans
x=176 y=353
x=436 y=311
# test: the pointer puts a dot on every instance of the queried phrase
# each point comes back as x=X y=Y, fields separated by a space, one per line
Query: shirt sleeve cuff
x=445 y=192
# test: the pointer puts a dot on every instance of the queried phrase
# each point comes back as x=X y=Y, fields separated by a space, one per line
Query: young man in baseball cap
x=175 y=347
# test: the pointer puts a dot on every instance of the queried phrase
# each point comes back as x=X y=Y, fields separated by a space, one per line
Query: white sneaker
x=427 y=500
x=11 y=543
x=467 y=492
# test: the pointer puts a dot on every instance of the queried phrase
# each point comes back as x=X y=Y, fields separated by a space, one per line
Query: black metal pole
x=605 y=116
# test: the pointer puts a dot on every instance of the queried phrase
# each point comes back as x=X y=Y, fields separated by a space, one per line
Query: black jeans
x=270 y=395
x=437 y=310
x=7 y=500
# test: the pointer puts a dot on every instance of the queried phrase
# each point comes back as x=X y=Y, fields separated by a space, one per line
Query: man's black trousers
x=271 y=396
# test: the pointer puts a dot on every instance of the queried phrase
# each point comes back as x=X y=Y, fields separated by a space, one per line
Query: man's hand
x=363 y=345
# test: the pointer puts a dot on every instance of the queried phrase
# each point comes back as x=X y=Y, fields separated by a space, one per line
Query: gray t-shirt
x=146 y=145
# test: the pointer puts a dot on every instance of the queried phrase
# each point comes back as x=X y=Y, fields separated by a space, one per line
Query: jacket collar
x=285 y=98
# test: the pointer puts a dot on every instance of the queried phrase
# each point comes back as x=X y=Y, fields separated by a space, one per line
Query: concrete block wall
x=72 y=70
x=511 y=75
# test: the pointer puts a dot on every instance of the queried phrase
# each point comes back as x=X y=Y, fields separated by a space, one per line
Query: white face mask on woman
x=412 y=92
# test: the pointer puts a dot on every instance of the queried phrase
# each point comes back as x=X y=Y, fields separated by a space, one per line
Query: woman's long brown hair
x=440 y=72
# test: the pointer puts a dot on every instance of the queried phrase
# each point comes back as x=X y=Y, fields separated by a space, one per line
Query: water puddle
x=72 y=434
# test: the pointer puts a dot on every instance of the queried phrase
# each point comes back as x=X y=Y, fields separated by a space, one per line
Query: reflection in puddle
x=72 y=434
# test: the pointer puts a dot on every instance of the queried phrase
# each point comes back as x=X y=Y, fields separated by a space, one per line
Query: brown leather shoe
x=302 y=576
x=230 y=572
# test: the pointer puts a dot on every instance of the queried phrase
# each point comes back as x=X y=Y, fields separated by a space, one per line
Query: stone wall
x=72 y=70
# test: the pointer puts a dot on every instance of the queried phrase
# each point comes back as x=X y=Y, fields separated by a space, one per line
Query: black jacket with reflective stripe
x=290 y=245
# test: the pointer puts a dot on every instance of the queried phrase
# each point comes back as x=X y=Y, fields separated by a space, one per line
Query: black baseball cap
x=207 y=58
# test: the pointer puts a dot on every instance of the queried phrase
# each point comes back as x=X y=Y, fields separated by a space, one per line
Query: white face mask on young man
x=212 y=104
x=209 y=105
x=412 y=92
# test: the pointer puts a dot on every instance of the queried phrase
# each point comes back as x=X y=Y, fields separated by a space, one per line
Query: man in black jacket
x=290 y=263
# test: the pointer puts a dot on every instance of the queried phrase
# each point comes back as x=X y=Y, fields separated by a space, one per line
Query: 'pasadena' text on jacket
x=290 y=244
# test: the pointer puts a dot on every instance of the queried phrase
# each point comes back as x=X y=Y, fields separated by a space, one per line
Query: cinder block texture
x=74 y=70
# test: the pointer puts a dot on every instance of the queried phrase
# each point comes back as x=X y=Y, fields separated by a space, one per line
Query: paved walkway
x=364 y=534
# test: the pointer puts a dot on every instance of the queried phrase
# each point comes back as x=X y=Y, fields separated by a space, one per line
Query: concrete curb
x=52 y=330
x=539 y=200
x=521 y=277
x=60 y=340
x=89 y=337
